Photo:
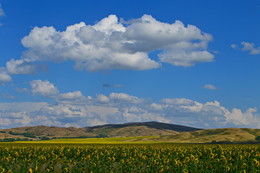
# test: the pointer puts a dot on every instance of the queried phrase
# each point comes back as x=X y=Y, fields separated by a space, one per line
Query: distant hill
x=139 y=129
x=160 y=132
x=108 y=130
x=151 y=124
x=224 y=135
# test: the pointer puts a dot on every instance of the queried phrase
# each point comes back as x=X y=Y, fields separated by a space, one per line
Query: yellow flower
x=30 y=170
x=185 y=170
x=196 y=160
x=187 y=159
x=228 y=168
x=257 y=163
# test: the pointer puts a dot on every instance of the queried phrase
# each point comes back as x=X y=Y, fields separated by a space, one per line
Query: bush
x=44 y=138
x=8 y=140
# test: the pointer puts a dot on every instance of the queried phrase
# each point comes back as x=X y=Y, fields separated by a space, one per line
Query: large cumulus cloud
x=111 y=44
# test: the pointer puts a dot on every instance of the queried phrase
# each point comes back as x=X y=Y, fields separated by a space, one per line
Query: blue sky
x=83 y=63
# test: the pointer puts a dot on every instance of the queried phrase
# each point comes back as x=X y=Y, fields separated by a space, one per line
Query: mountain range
x=156 y=130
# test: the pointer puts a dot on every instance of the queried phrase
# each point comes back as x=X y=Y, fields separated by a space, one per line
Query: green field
x=114 y=156
x=119 y=140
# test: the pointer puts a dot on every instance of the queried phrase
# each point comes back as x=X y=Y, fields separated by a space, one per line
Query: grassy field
x=111 y=155
x=119 y=140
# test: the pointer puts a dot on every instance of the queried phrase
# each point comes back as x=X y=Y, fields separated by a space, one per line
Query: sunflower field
x=194 y=158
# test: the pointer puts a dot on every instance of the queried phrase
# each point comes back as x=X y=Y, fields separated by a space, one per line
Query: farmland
x=127 y=157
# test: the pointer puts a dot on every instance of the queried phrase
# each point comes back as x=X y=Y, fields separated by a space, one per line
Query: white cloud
x=44 y=88
x=22 y=106
x=121 y=108
x=234 y=46
x=237 y=117
x=177 y=101
x=20 y=67
x=102 y=98
x=2 y=13
x=121 y=97
x=7 y=96
x=4 y=76
x=91 y=47
x=96 y=122
x=210 y=87
x=111 y=44
x=47 y=89
x=250 y=47
x=247 y=46
x=186 y=58
x=72 y=95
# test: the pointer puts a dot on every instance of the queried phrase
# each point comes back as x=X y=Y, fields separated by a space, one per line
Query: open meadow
x=111 y=155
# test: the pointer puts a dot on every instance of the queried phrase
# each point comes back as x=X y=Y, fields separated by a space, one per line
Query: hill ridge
x=152 y=124
x=159 y=131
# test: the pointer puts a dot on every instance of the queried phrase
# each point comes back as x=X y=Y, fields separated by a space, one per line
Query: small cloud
x=72 y=95
x=247 y=46
x=22 y=90
x=4 y=76
x=8 y=96
x=210 y=87
x=2 y=13
x=111 y=86
x=24 y=67
x=44 y=88
x=253 y=50
x=234 y=46
x=118 y=85
x=106 y=85
x=102 y=98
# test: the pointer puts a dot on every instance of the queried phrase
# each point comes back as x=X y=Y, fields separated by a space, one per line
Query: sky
x=83 y=63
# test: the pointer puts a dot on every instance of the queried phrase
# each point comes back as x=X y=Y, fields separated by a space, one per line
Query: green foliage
x=44 y=138
x=102 y=136
x=7 y=140
x=26 y=134
x=14 y=139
